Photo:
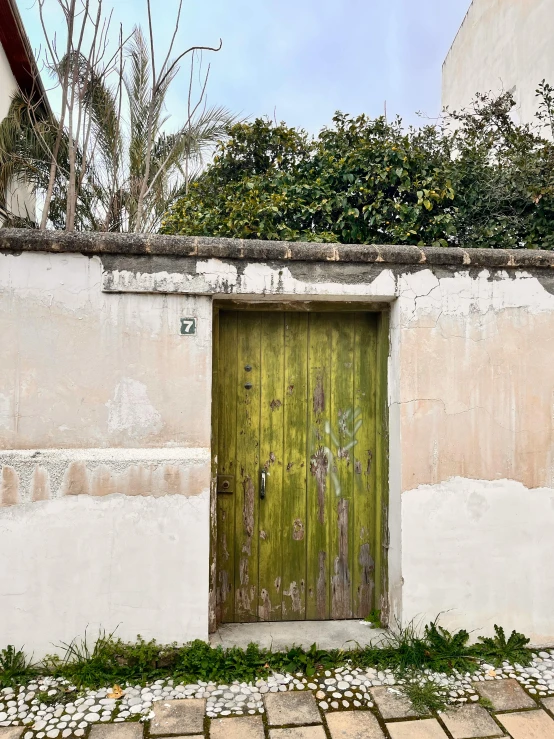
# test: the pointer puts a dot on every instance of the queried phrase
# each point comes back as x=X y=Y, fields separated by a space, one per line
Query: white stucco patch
x=131 y=410
x=214 y=276
x=481 y=553
x=138 y=565
x=423 y=293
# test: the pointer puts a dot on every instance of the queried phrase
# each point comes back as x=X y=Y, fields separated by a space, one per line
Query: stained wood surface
x=311 y=549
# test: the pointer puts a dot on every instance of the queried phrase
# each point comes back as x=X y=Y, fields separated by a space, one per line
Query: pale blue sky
x=305 y=59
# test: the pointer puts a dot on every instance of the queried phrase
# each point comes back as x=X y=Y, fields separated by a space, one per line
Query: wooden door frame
x=382 y=452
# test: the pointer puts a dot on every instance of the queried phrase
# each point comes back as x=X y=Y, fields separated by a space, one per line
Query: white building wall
x=20 y=200
x=502 y=45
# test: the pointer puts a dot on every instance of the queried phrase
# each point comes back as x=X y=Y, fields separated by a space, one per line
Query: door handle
x=263 y=477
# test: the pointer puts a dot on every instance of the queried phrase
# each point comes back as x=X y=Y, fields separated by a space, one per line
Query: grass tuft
x=425 y=695
x=15 y=667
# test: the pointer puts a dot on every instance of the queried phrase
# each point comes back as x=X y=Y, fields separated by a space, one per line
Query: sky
x=299 y=61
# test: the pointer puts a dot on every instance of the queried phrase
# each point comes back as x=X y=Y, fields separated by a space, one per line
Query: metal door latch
x=263 y=476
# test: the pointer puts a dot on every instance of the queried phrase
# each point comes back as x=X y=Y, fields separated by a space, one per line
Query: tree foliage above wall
x=476 y=179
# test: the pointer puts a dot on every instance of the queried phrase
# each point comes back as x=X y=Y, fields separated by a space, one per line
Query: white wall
x=481 y=552
x=105 y=456
x=501 y=44
x=20 y=200
x=134 y=565
x=8 y=84
x=105 y=426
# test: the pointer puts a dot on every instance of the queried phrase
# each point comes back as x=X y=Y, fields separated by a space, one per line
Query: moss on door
x=299 y=501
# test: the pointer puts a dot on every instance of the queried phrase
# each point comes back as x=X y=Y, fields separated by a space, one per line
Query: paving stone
x=178 y=717
x=354 y=725
x=299 y=732
x=11 y=732
x=392 y=703
x=470 y=722
x=116 y=731
x=428 y=728
x=240 y=727
x=548 y=703
x=291 y=708
x=528 y=725
x=505 y=695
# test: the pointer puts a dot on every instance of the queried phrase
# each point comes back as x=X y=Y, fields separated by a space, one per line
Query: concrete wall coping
x=97 y=243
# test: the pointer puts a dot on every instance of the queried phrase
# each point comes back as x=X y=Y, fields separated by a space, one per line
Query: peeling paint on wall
x=130 y=410
x=36 y=475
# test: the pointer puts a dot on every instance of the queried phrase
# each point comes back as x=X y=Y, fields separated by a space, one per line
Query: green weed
x=498 y=649
x=449 y=651
x=374 y=618
x=108 y=660
x=15 y=667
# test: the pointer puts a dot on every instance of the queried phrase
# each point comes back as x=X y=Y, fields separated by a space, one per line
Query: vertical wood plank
x=226 y=456
x=272 y=515
x=295 y=467
x=213 y=614
x=341 y=426
x=248 y=466
x=317 y=463
x=381 y=530
x=364 y=458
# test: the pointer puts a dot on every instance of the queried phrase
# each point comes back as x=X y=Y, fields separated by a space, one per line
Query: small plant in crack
x=425 y=694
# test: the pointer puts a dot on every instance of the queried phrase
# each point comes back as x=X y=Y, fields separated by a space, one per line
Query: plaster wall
x=105 y=457
x=105 y=426
x=501 y=46
x=476 y=393
x=137 y=565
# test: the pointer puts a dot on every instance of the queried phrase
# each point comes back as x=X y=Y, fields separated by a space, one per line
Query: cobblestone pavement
x=512 y=713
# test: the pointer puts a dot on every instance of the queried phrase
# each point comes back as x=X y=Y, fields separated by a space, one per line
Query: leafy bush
x=475 y=179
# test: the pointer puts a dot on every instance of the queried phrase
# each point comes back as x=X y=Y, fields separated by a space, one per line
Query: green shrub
x=476 y=179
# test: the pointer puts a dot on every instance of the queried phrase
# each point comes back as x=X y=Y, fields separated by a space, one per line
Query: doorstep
x=281 y=635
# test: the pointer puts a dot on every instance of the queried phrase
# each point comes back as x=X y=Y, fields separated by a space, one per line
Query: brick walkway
x=295 y=715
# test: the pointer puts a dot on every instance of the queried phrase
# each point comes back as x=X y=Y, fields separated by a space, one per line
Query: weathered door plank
x=363 y=513
x=226 y=456
x=248 y=467
x=318 y=497
x=272 y=508
x=342 y=421
x=295 y=467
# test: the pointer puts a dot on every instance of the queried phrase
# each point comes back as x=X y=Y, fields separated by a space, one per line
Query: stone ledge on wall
x=23 y=240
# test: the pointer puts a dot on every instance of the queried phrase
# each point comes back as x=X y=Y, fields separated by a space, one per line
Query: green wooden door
x=297 y=403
